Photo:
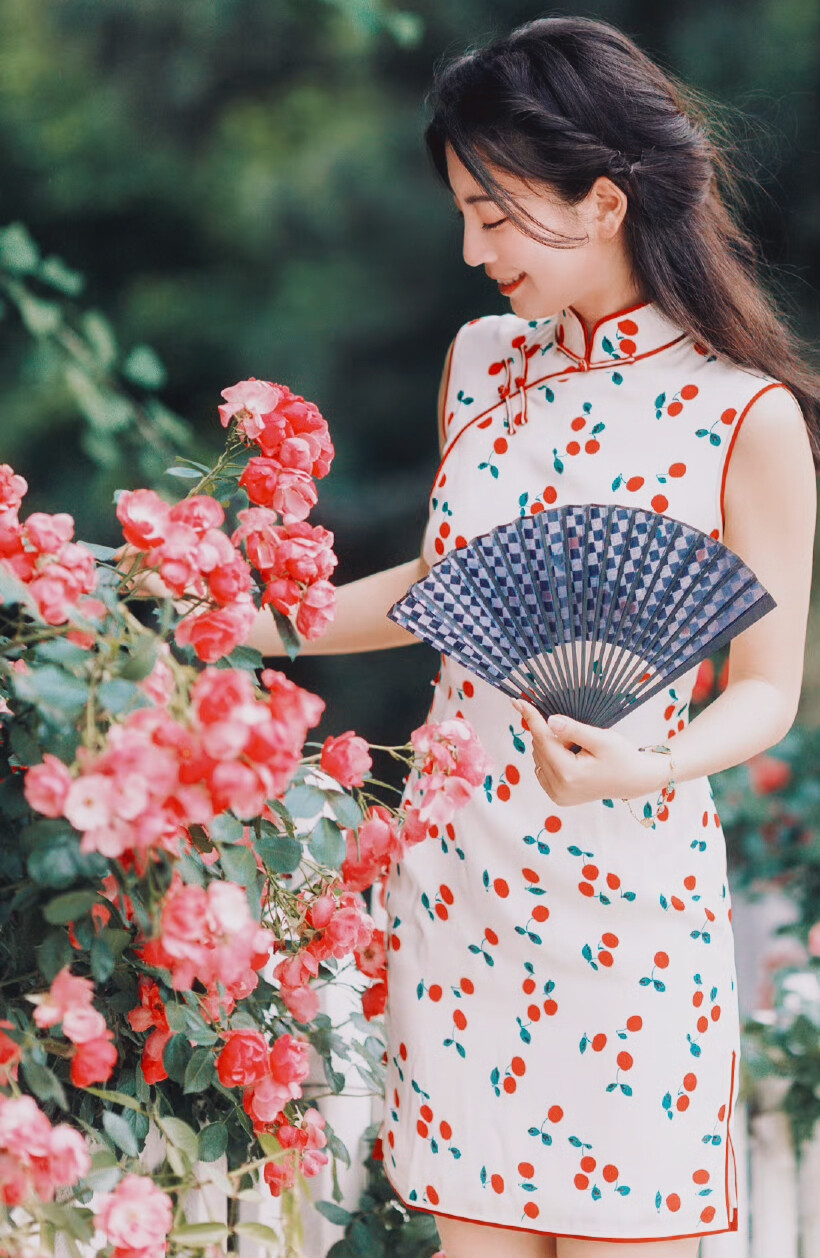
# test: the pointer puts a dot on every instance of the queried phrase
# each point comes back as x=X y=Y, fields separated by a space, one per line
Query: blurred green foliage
x=242 y=184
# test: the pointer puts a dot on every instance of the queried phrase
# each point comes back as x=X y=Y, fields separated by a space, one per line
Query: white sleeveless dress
x=562 y=1021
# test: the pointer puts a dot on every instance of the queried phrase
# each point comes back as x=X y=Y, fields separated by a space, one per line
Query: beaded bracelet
x=666 y=790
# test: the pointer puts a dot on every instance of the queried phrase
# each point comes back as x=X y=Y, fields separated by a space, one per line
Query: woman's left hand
x=608 y=766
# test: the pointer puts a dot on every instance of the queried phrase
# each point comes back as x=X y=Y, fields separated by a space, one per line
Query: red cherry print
x=673 y=1201
x=586 y=888
x=613 y=882
x=500 y=445
x=501 y=888
x=540 y=912
x=606 y=958
x=590 y=871
x=674 y=408
x=609 y=939
x=627 y=346
x=512 y=774
x=518 y=1066
x=677 y=469
x=531 y=1210
x=634 y=1023
x=555 y=1114
x=625 y=1061
x=537 y=508
x=549 y=495
x=710 y=917
x=628 y=326
x=391 y=1140
x=703 y=1024
x=503 y=792
x=659 y=503
x=438 y=546
x=578 y=423
x=690 y=882
x=516 y=343
x=581 y=1182
x=697 y=999
x=426 y=1113
x=497 y=1183
x=469 y=689
x=688 y=392
x=592 y=446
x=661 y=960
x=528 y=986
x=530 y=875
x=728 y=417
x=510 y=1085
x=495 y=368
x=444 y=529
x=403 y=1052
x=395 y=942
x=550 y=1007
x=422 y=1129
x=459 y=1019
x=533 y=1013
x=690 y=1082
x=682 y=1103
x=442 y=481
x=526 y=1169
x=435 y=992
x=708 y=1214
x=588 y=1164
x=610 y=1173
x=490 y=935
x=634 y=484
x=445 y=1129
x=721 y=1113
x=552 y=825
x=446 y=893
x=441 y=912
x=715 y=1015
x=461 y=541
x=599 y=1042
x=677 y=904
x=701 y=1177
x=573 y=447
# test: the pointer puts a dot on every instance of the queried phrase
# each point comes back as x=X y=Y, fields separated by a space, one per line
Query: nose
x=478 y=249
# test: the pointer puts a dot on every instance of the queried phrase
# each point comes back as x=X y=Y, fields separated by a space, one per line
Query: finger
x=535 y=722
x=569 y=731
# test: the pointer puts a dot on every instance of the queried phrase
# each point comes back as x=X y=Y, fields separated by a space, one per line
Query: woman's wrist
x=659 y=769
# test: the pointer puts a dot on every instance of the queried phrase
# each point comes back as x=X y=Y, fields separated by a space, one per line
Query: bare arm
x=361 y=622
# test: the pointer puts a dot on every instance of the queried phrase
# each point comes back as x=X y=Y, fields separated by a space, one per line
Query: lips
x=506 y=289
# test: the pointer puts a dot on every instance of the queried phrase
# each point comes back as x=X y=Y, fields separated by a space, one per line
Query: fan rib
x=561 y=673
x=595 y=681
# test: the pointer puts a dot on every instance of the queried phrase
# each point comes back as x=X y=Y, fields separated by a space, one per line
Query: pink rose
x=143 y=516
x=282 y=594
x=46 y=786
x=304 y=552
x=260 y=479
x=82 y=1023
x=13 y=489
x=317 y=610
x=94 y=1061
x=250 y=402
x=200 y=513
x=230 y=581
x=258 y=530
x=69 y=1159
x=289 y=1061
x=136 y=1218
x=290 y=703
x=67 y=992
x=295 y=495
x=47 y=533
x=346 y=758
x=215 y=634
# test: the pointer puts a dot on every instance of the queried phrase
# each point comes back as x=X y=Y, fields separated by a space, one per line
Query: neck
x=607 y=299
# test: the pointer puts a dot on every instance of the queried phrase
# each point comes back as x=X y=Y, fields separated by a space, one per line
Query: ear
x=608 y=205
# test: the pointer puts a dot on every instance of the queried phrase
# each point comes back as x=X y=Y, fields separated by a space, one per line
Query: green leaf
x=305 y=801
x=238 y=864
x=58 y=693
x=137 y=667
x=183 y=473
x=181 y=1135
x=53 y=271
x=290 y=638
x=44 y=1083
x=120 y=695
x=334 y=1213
x=200 y=1072
x=68 y=1219
x=54 y=865
x=115 y=1098
x=175 y=1057
x=100 y=337
x=198 y=1235
x=53 y=953
x=13 y=592
x=281 y=853
x=346 y=810
x=327 y=843
x=119 y=1131
x=18 y=252
x=226 y=829
x=260 y=1233
x=144 y=367
x=213 y=1141
x=68 y=907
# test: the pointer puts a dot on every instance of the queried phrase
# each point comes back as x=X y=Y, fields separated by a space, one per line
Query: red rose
x=94 y=1061
x=346 y=759
x=374 y=1000
x=244 y=1060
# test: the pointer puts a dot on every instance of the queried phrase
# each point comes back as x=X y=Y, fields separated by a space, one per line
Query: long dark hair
x=563 y=100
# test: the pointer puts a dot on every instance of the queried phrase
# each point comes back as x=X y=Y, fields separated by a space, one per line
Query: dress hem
x=573 y=1236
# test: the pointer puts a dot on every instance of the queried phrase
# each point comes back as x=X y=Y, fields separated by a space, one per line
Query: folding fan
x=587 y=609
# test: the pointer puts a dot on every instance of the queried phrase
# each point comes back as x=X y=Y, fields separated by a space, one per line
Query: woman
x=562 y=1018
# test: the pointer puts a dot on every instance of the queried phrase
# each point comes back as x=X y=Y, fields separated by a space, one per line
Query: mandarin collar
x=618 y=337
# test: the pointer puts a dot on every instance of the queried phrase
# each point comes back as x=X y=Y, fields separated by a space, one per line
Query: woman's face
x=546 y=278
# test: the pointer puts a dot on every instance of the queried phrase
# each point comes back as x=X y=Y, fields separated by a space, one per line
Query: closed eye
x=487 y=227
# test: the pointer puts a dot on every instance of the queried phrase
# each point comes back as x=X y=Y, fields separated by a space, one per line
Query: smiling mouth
x=513 y=284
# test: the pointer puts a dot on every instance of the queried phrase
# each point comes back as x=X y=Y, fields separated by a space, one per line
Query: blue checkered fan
x=587 y=610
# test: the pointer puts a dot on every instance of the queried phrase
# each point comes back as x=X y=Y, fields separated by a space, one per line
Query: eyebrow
x=473 y=199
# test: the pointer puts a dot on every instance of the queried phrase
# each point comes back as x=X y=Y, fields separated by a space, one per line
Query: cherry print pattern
x=543 y=925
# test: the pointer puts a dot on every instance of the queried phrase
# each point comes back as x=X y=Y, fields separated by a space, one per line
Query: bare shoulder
x=771 y=457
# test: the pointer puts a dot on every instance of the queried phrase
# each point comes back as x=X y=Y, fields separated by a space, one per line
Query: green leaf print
x=616 y=484
x=617 y=378
x=659 y=400
x=606 y=345
x=714 y=439
x=494 y=472
x=547 y=392
x=556 y=462
x=596 y=1193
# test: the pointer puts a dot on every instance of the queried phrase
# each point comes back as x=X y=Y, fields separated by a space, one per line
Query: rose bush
x=179 y=865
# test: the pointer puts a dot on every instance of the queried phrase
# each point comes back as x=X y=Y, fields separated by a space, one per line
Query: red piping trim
x=534 y=384
x=777 y=384
x=590 y=337
x=571 y=1236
